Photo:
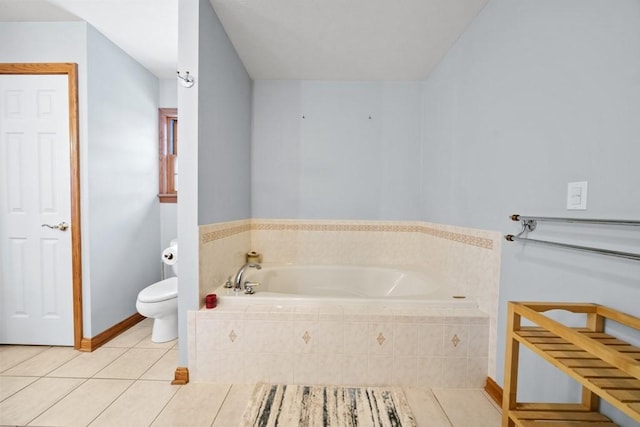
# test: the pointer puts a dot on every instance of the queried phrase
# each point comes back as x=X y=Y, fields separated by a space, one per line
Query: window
x=168 y=150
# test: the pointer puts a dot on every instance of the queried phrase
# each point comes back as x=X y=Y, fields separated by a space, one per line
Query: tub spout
x=237 y=281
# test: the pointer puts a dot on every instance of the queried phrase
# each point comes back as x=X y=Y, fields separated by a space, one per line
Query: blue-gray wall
x=336 y=150
x=124 y=212
x=534 y=95
x=224 y=127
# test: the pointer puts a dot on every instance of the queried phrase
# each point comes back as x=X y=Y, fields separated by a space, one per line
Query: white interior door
x=36 y=287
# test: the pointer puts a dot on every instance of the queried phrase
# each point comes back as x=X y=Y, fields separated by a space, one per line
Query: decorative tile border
x=333 y=227
x=481 y=242
x=224 y=232
x=254 y=225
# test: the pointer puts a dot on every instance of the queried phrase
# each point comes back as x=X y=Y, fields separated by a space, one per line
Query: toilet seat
x=161 y=291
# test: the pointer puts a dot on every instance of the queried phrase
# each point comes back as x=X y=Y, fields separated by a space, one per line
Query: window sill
x=168 y=198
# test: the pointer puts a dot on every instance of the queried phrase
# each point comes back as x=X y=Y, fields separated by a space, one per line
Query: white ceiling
x=145 y=29
x=344 y=39
x=281 y=39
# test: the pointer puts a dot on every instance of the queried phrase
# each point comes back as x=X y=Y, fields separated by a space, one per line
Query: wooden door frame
x=71 y=71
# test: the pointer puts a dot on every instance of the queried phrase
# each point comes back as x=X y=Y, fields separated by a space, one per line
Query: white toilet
x=160 y=302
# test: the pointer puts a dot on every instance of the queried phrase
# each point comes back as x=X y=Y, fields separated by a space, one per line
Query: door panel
x=36 y=274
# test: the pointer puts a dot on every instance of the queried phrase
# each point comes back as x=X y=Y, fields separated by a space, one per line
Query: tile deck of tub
x=347 y=344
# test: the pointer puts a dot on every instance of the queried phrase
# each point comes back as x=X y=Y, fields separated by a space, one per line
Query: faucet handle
x=248 y=287
x=228 y=283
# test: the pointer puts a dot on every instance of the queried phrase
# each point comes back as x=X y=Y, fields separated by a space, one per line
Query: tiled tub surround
x=223 y=247
x=345 y=344
x=465 y=261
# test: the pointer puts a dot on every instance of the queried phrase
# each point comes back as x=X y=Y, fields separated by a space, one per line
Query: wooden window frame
x=166 y=192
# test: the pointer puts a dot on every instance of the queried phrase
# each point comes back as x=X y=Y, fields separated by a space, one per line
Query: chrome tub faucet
x=238 y=283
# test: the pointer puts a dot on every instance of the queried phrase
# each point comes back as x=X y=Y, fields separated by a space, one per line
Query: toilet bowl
x=159 y=301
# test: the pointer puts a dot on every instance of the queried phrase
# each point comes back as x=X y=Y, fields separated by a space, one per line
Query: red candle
x=211 y=300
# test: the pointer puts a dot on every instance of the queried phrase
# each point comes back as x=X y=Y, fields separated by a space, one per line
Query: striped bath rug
x=302 y=406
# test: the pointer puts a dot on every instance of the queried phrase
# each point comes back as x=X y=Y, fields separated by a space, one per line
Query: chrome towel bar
x=627 y=255
x=576 y=220
x=529 y=223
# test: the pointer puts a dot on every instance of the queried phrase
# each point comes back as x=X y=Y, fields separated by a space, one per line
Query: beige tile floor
x=127 y=382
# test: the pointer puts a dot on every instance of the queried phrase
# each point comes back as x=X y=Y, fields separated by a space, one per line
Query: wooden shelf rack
x=604 y=365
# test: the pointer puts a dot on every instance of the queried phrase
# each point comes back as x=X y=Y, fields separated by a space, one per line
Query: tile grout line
x=57 y=400
x=111 y=363
x=178 y=388
x=114 y=399
x=167 y=350
x=226 y=396
x=24 y=360
x=129 y=348
x=46 y=374
x=441 y=407
x=19 y=390
x=492 y=402
x=62 y=364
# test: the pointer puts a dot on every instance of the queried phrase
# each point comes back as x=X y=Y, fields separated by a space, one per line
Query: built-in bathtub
x=352 y=325
x=344 y=284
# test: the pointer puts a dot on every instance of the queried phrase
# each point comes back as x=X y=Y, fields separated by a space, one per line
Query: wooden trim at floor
x=181 y=377
x=90 y=344
x=494 y=391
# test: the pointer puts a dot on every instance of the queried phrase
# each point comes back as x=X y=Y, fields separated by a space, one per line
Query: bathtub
x=340 y=324
x=344 y=284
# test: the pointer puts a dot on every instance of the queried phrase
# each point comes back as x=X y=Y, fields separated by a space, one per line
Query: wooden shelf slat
x=559 y=347
x=547 y=340
x=601 y=373
x=617 y=383
x=625 y=348
x=572 y=355
x=610 y=341
x=627 y=396
x=596 y=335
x=584 y=363
x=559 y=416
x=558 y=407
x=567 y=424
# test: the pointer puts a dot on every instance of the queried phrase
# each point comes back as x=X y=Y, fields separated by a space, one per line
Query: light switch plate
x=577 y=195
